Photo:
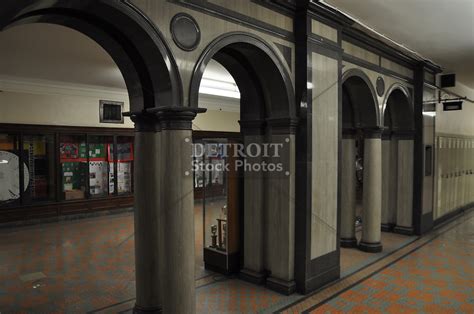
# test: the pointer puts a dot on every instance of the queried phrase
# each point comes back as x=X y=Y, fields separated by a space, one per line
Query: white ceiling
x=56 y=53
x=440 y=30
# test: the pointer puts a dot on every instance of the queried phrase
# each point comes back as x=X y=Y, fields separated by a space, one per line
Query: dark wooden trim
x=234 y=17
x=34 y=214
x=35 y=128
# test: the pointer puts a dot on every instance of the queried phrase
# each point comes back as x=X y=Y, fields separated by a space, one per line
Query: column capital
x=349 y=133
x=176 y=118
x=386 y=134
x=374 y=132
x=283 y=125
x=144 y=121
x=252 y=127
x=404 y=134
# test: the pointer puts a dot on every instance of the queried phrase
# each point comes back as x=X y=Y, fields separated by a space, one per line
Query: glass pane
x=125 y=164
x=100 y=163
x=73 y=160
x=38 y=155
x=10 y=170
x=215 y=202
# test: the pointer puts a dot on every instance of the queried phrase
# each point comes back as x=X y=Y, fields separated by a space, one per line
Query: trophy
x=214 y=236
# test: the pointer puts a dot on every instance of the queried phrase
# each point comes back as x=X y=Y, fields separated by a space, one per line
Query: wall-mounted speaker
x=448 y=80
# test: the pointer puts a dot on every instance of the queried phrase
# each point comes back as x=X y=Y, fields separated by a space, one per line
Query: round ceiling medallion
x=380 y=86
x=185 y=31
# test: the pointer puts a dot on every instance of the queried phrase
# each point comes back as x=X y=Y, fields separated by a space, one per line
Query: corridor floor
x=88 y=266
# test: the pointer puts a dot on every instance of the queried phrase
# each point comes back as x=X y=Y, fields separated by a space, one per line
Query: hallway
x=87 y=266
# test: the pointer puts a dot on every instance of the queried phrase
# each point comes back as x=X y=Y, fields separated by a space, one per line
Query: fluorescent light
x=430 y=114
x=3 y=161
x=219 y=88
x=219 y=92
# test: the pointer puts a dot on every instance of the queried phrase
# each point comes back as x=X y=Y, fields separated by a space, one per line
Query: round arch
x=398 y=108
x=133 y=42
x=360 y=96
x=258 y=71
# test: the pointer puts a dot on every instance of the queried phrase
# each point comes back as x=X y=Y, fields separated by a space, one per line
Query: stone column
x=389 y=180
x=147 y=172
x=405 y=182
x=253 y=270
x=280 y=208
x=348 y=189
x=372 y=193
x=177 y=211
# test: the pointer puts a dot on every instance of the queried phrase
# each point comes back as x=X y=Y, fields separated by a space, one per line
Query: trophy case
x=220 y=187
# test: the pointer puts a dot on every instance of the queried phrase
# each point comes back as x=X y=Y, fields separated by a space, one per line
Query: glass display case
x=220 y=207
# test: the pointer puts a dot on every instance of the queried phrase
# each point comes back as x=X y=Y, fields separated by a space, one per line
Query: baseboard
x=72 y=217
x=285 y=287
x=319 y=280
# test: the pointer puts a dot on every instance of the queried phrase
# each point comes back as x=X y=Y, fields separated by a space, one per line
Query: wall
x=54 y=103
x=454 y=169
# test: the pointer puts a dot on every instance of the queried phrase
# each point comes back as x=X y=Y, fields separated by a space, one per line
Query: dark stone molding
x=386 y=134
x=403 y=134
x=373 y=132
x=387 y=227
x=426 y=223
x=252 y=127
x=252 y=276
x=231 y=16
x=154 y=310
x=144 y=122
x=453 y=214
x=349 y=133
x=176 y=118
x=348 y=243
x=282 y=125
x=286 y=287
x=371 y=247
x=404 y=230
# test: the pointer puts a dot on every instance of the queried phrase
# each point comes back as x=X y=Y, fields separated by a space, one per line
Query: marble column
x=372 y=193
x=389 y=180
x=254 y=267
x=147 y=172
x=177 y=211
x=405 y=183
x=348 y=189
x=280 y=209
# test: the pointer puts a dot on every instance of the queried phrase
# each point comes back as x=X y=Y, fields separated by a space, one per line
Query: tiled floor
x=88 y=266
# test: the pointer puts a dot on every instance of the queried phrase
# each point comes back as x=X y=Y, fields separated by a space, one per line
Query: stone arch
x=361 y=99
x=258 y=71
x=398 y=109
x=133 y=42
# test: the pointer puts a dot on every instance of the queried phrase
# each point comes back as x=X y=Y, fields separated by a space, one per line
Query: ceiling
x=59 y=54
x=439 y=30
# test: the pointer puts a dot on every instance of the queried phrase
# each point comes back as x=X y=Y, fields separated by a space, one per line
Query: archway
x=361 y=162
x=398 y=153
x=152 y=81
x=267 y=115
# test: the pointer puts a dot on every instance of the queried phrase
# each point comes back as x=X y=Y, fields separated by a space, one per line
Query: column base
x=282 y=286
x=387 y=227
x=153 y=310
x=252 y=276
x=404 y=230
x=348 y=242
x=370 y=247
